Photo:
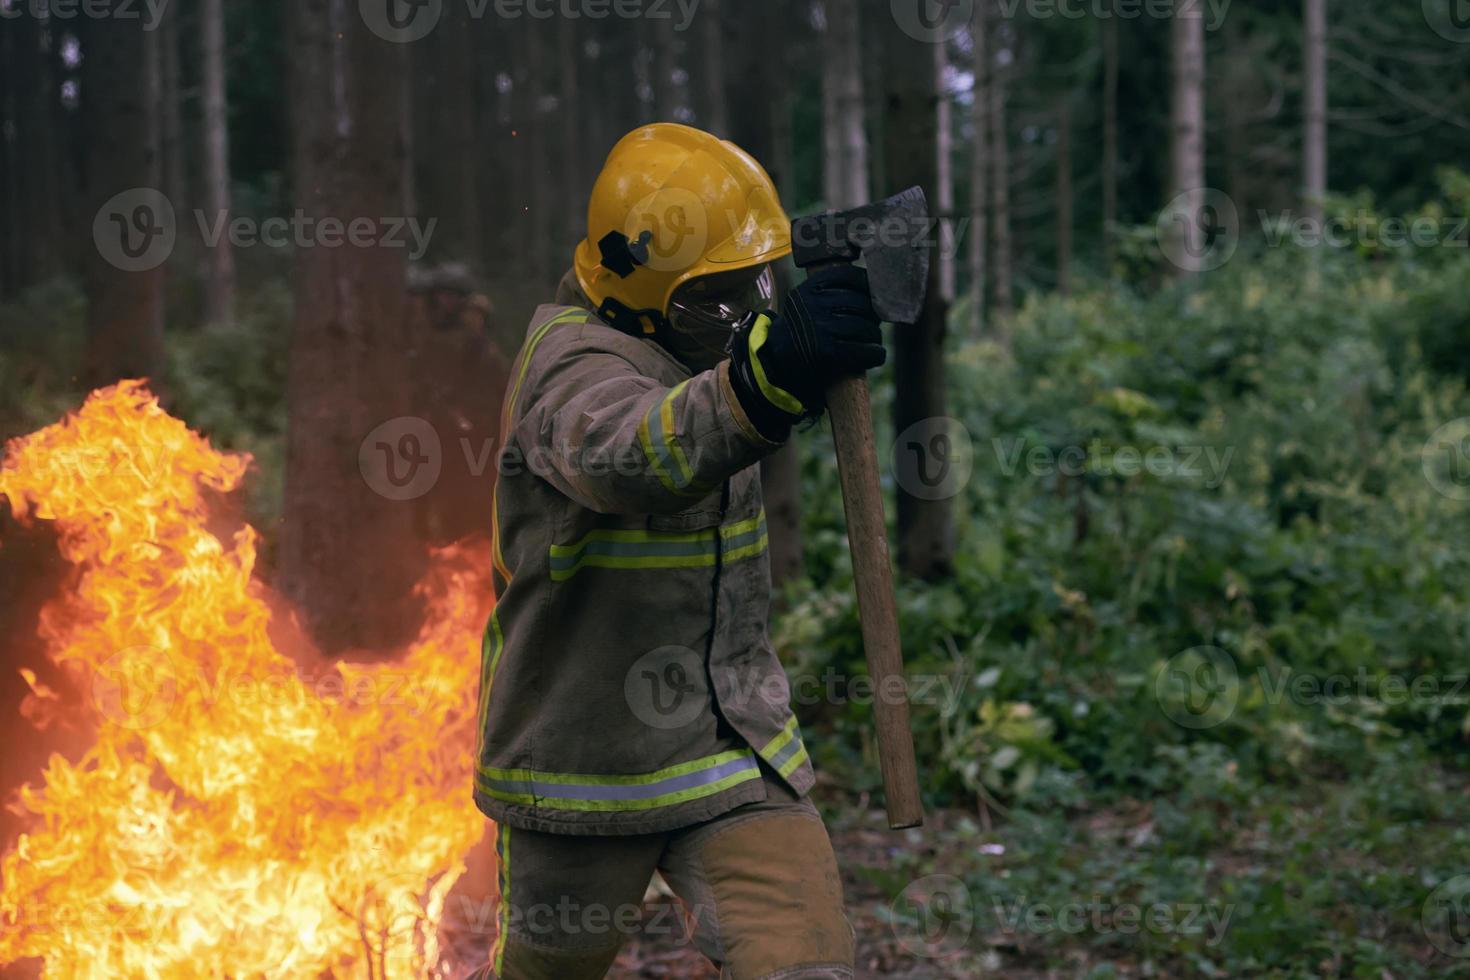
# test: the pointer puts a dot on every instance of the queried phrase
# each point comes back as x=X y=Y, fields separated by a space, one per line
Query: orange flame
x=235 y=816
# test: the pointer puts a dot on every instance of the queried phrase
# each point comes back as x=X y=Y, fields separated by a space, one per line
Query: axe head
x=892 y=239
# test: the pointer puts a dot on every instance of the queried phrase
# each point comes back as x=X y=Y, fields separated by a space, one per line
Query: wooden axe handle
x=867 y=536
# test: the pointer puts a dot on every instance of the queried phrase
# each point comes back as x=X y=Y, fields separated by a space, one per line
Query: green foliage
x=1286 y=518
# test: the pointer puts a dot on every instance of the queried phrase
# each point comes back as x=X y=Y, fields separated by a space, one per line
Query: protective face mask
x=703 y=313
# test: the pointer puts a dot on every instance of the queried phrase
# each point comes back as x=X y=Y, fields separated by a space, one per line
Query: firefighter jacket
x=628 y=683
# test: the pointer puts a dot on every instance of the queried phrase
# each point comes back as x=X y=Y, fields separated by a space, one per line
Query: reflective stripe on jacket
x=628 y=684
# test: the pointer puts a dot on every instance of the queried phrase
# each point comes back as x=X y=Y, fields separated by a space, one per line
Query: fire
x=237 y=815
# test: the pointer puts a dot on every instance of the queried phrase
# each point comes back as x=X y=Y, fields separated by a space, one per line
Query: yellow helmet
x=673 y=204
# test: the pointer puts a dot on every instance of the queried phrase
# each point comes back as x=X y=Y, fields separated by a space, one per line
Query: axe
x=889 y=237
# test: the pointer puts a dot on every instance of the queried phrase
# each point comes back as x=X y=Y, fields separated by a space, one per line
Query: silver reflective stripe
x=678 y=786
x=787 y=753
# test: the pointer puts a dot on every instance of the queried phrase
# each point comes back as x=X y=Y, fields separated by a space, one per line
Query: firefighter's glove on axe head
x=783 y=363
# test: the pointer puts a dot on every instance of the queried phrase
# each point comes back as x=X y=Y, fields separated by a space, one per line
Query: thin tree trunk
x=1000 y=189
x=944 y=157
x=124 y=300
x=846 y=170
x=979 y=168
x=1187 y=152
x=1064 y=194
x=575 y=172
x=716 y=115
x=1110 y=143
x=170 y=113
x=219 y=299
x=925 y=527
x=348 y=555
x=1314 y=139
x=34 y=108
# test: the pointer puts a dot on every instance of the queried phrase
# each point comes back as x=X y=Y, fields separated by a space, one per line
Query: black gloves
x=827 y=330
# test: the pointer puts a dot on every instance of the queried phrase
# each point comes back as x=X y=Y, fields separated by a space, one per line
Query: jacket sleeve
x=618 y=442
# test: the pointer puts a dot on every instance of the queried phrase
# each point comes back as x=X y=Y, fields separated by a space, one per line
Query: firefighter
x=633 y=715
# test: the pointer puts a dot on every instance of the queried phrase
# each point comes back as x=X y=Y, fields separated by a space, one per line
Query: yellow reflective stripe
x=666 y=416
x=779 y=397
x=635 y=549
x=585 y=792
x=779 y=742
x=492 y=644
x=794 y=763
x=664 y=453
x=508 y=417
x=503 y=852
x=653 y=459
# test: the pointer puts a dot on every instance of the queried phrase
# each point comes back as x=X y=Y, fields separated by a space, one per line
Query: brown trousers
x=758 y=888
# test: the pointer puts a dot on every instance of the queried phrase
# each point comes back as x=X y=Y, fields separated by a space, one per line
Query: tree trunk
x=1314 y=139
x=348 y=556
x=1187 y=152
x=979 y=168
x=845 y=173
x=219 y=293
x=1064 y=194
x=124 y=281
x=33 y=110
x=170 y=114
x=576 y=176
x=925 y=527
x=1110 y=143
x=1000 y=189
x=944 y=157
x=715 y=114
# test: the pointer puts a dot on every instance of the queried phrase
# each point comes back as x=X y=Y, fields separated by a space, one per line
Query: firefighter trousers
x=758 y=889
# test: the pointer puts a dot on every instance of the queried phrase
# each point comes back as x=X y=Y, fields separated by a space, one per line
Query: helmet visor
x=711 y=306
